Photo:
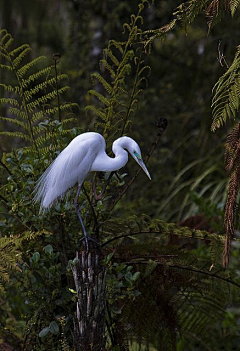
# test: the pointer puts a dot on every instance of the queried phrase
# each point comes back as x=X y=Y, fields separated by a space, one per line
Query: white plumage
x=85 y=153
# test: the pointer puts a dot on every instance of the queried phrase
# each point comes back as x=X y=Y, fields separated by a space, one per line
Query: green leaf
x=108 y=258
x=48 y=249
x=36 y=257
x=44 y=332
x=72 y=291
x=116 y=348
x=74 y=261
x=54 y=328
x=135 y=276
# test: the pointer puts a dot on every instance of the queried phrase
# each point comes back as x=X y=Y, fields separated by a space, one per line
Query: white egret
x=85 y=153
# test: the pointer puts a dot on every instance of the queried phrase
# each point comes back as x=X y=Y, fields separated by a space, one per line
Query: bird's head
x=135 y=152
x=132 y=147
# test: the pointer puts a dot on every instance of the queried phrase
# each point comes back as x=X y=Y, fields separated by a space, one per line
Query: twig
x=133 y=92
x=56 y=58
x=113 y=338
x=5 y=200
x=213 y=275
x=221 y=58
x=4 y=166
x=92 y=209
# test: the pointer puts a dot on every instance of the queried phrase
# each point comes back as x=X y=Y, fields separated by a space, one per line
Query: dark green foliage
x=30 y=96
x=166 y=287
x=214 y=10
x=118 y=99
x=226 y=100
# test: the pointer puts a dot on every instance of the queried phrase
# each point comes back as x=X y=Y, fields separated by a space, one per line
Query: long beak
x=142 y=165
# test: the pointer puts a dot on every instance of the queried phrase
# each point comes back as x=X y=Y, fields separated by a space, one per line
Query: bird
x=84 y=154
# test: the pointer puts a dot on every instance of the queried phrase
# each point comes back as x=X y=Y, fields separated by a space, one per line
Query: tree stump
x=90 y=281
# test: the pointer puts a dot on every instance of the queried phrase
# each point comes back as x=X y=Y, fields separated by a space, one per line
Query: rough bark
x=90 y=281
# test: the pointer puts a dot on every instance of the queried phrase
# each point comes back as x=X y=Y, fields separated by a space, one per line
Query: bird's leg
x=86 y=237
x=99 y=197
x=80 y=217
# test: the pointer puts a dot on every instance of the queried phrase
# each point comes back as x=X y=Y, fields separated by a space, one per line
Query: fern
x=33 y=89
x=116 y=106
x=233 y=5
x=226 y=100
x=135 y=226
x=160 y=33
x=214 y=10
x=184 y=295
x=10 y=256
x=187 y=11
x=232 y=162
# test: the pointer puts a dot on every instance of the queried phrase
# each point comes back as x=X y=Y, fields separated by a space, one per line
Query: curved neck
x=109 y=164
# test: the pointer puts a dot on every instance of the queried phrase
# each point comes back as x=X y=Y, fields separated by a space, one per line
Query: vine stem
x=6 y=168
x=222 y=238
x=56 y=58
x=132 y=35
x=93 y=211
x=213 y=275
x=133 y=91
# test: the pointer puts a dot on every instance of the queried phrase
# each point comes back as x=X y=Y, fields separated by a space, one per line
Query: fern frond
x=5 y=56
x=10 y=88
x=108 y=53
x=46 y=98
x=32 y=78
x=20 y=114
x=25 y=50
x=104 y=83
x=42 y=140
x=63 y=107
x=18 y=50
x=187 y=297
x=5 y=38
x=100 y=97
x=233 y=5
x=151 y=35
x=69 y=120
x=38 y=116
x=97 y=112
x=187 y=11
x=105 y=65
x=9 y=68
x=10 y=254
x=232 y=163
x=14 y=121
x=40 y=87
x=216 y=10
x=226 y=100
x=23 y=70
x=118 y=45
x=9 y=101
x=16 y=135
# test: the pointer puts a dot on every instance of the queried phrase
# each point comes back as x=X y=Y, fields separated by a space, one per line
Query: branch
x=6 y=168
x=172 y=229
x=4 y=199
x=213 y=275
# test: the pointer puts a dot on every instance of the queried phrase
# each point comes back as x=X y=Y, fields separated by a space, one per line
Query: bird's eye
x=137 y=155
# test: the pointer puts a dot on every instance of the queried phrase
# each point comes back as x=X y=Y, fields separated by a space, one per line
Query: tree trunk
x=90 y=281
